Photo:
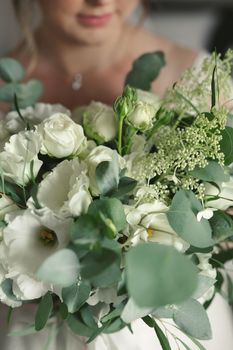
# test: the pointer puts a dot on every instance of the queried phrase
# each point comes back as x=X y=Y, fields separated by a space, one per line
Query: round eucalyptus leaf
x=11 y=70
x=158 y=275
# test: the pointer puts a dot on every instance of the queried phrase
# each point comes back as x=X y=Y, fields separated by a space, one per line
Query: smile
x=95 y=21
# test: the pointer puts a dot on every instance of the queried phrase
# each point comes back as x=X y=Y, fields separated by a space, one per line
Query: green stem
x=119 y=148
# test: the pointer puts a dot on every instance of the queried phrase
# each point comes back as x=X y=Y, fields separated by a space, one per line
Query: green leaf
x=12 y=190
x=149 y=268
x=213 y=172
x=96 y=262
x=213 y=87
x=114 y=326
x=8 y=91
x=161 y=336
x=145 y=70
x=222 y=257
x=29 y=93
x=11 y=70
x=226 y=144
x=164 y=312
x=185 y=345
x=204 y=284
x=76 y=295
x=132 y=311
x=78 y=326
x=85 y=231
x=192 y=318
x=43 y=312
x=229 y=289
x=107 y=175
x=6 y=287
x=61 y=268
x=112 y=209
x=222 y=226
x=182 y=218
x=126 y=185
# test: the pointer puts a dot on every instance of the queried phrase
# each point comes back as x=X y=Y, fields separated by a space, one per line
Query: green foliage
x=182 y=218
x=204 y=284
x=145 y=70
x=76 y=295
x=112 y=209
x=158 y=271
x=11 y=70
x=192 y=318
x=226 y=144
x=161 y=336
x=107 y=175
x=61 y=268
x=43 y=312
x=222 y=226
x=6 y=287
x=213 y=172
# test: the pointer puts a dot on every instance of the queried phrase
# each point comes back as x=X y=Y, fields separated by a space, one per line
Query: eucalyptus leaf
x=126 y=185
x=145 y=70
x=192 y=318
x=226 y=144
x=43 y=312
x=112 y=209
x=6 y=287
x=85 y=230
x=204 y=284
x=107 y=175
x=11 y=70
x=8 y=91
x=158 y=271
x=161 y=336
x=164 y=312
x=182 y=218
x=29 y=93
x=61 y=268
x=76 y=295
x=132 y=311
x=222 y=226
x=78 y=326
x=114 y=326
x=213 y=172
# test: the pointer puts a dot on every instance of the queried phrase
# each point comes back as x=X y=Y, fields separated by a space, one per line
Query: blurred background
x=199 y=24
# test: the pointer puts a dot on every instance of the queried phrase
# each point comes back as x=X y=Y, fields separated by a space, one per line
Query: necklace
x=77 y=82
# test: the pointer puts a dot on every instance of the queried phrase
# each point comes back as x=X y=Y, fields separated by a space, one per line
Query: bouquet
x=125 y=217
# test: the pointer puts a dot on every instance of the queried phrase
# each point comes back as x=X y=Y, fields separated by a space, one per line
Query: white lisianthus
x=205 y=214
x=61 y=136
x=100 y=122
x=65 y=190
x=98 y=155
x=6 y=206
x=149 y=222
x=145 y=109
x=29 y=240
x=224 y=194
x=19 y=161
x=33 y=115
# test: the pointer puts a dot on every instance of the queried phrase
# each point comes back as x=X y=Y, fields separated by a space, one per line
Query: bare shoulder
x=177 y=58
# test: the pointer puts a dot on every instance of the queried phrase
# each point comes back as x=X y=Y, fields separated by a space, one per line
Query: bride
x=82 y=51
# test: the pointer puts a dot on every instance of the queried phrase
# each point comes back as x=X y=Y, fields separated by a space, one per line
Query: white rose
x=6 y=206
x=29 y=240
x=100 y=122
x=224 y=192
x=98 y=155
x=34 y=115
x=19 y=161
x=150 y=223
x=144 y=110
x=65 y=190
x=61 y=137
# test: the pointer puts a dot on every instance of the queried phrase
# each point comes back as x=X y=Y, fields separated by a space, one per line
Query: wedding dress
x=143 y=338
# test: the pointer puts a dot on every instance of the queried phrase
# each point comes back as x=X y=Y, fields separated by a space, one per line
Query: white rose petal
x=61 y=136
x=100 y=122
x=205 y=214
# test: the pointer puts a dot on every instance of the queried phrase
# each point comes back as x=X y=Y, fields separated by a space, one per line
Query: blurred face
x=86 y=21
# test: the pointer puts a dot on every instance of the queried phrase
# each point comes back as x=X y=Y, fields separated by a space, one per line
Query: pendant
x=77 y=82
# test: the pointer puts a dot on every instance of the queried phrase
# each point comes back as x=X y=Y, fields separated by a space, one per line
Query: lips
x=95 y=21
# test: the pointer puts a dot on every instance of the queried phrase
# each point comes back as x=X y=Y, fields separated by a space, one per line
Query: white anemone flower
x=65 y=190
x=29 y=240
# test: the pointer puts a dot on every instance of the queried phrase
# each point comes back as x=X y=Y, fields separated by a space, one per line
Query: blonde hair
x=24 y=14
